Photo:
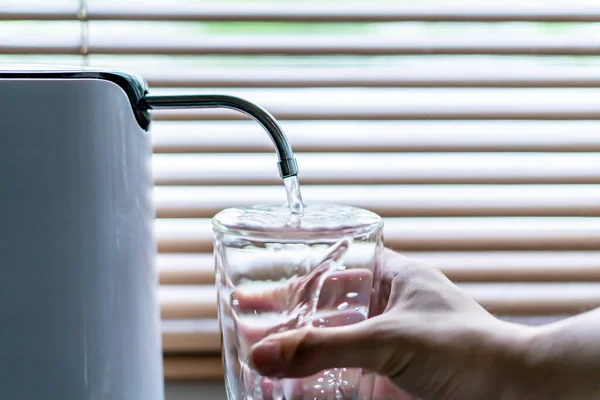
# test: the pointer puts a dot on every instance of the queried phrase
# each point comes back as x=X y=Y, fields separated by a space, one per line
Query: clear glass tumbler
x=277 y=272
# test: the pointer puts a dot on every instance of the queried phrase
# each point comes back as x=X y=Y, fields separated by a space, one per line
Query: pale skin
x=428 y=339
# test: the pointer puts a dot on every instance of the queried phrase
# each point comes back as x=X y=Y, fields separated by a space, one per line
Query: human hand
x=427 y=336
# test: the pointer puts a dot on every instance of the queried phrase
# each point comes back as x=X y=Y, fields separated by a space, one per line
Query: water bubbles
x=278 y=391
x=337 y=265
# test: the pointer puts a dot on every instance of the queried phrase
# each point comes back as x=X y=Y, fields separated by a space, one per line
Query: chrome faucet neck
x=287 y=163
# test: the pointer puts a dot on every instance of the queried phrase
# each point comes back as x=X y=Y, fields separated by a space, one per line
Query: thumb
x=308 y=350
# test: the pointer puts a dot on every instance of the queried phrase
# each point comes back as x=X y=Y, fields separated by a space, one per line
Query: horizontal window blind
x=473 y=129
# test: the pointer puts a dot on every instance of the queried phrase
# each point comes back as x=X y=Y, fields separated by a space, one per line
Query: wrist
x=566 y=356
x=543 y=364
x=515 y=369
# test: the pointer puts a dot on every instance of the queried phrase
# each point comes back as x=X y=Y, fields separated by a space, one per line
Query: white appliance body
x=79 y=315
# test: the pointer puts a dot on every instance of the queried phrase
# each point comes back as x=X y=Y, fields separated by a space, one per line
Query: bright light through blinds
x=471 y=127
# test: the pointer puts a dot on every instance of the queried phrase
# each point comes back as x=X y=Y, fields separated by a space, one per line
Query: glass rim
x=285 y=233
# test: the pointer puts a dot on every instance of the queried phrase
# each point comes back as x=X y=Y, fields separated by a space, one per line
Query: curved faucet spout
x=287 y=163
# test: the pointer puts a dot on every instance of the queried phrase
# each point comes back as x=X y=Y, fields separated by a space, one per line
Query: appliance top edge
x=134 y=86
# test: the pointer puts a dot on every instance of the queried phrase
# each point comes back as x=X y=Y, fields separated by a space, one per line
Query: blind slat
x=535 y=298
x=383 y=168
x=514 y=266
x=308 y=13
x=68 y=47
x=551 y=266
x=41 y=12
x=384 y=136
x=179 y=367
x=391 y=200
x=362 y=77
x=424 y=234
x=344 y=45
x=400 y=104
x=182 y=269
x=394 y=113
x=181 y=336
x=304 y=45
x=186 y=302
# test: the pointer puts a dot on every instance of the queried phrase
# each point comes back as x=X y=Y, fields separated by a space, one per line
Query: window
x=473 y=128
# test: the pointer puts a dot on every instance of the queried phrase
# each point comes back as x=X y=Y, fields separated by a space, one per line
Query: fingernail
x=268 y=359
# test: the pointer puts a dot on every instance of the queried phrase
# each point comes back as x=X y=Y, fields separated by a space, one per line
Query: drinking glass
x=277 y=271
